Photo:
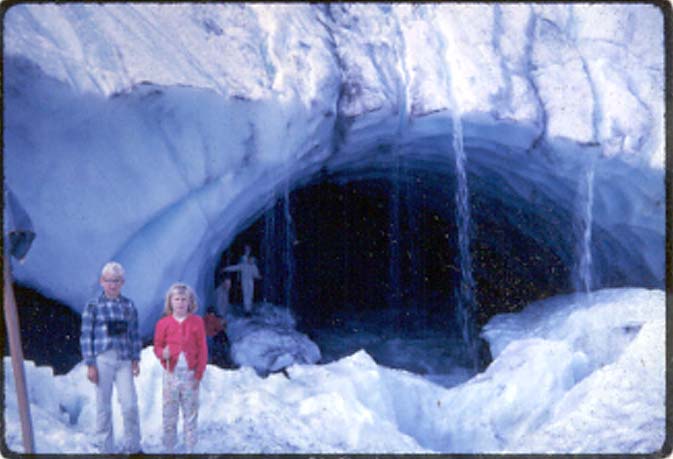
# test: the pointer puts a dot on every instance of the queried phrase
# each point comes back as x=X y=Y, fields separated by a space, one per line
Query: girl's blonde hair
x=184 y=289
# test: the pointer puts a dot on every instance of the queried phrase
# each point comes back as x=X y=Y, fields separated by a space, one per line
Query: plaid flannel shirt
x=95 y=339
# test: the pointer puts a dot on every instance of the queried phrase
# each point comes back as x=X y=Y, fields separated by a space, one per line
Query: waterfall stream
x=583 y=270
x=394 y=277
x=415 y=255
x=466 y=304
x=268 y=251
x=395 y=236
x=289 y=244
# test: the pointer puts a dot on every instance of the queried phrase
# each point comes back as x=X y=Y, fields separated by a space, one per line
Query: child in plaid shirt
x=110 y=345
x=180 y=345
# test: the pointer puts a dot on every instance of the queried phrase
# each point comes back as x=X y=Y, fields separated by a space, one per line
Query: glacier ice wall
x=152 y=134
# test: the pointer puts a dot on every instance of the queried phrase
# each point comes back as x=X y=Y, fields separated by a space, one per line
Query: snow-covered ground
x=421 y=344
x=576 y=374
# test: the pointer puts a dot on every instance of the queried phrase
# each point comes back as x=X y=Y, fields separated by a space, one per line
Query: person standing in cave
x=180 y=345
x=222 y=296
x=110 y=345
x=216 y=336
x=249 y=273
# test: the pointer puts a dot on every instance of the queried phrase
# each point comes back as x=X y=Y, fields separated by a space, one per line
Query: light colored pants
x=248 y=292
x=179 y=393
x=223 y=299
x=112 y=371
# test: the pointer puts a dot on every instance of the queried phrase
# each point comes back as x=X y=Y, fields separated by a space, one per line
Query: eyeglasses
x=113 y=281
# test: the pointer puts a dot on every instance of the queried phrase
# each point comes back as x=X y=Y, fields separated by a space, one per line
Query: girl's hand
x=92 y=374
x=166 y=354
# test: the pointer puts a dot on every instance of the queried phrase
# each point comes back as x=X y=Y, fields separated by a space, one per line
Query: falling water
x=269 y=252
x=583 y=278
x=466 y=302
x=346 y=246
x=416 y=272
x=289 y=244
x=394 y=238
x=395 y=235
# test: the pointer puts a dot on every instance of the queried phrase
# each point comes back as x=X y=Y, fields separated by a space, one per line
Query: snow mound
x=599 y=324
x=543 y=393
x=268 y=340
x=593 y=414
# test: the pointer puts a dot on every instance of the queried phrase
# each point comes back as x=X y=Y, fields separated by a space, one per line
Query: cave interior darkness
x=344 y=219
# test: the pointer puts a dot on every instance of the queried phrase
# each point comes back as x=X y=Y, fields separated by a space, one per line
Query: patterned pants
x=179 y=393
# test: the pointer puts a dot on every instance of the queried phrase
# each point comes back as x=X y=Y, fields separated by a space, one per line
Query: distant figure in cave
x=247 y=254
x=249 y=272
x=216 y=337
x=222 y=296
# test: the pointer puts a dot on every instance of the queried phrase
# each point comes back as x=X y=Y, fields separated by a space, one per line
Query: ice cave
x=426 y=166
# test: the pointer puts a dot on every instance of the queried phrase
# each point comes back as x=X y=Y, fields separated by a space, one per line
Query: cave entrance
x=339 y=247
x=372 y=251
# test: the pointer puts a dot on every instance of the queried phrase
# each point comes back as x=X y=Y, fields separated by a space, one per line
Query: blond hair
x=113 y=268
x=184 y=289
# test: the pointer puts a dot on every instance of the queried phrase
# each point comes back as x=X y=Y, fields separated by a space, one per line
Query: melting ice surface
x=157 y=148
x=576 y=373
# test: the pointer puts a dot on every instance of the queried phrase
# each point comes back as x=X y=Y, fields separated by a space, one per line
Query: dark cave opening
x=49 y=330
x=339 y=248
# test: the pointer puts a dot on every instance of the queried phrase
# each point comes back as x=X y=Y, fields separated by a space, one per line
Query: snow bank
x=268 y=341
x=603 y=411
x=599 y=324
x=540 y=394
x=618 y=339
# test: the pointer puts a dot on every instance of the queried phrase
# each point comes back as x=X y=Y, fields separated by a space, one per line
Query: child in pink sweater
x=180 y=345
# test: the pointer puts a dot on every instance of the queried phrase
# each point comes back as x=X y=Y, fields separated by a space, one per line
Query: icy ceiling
x=155 y=134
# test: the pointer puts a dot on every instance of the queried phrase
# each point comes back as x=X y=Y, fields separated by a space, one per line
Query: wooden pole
x=16 y=351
